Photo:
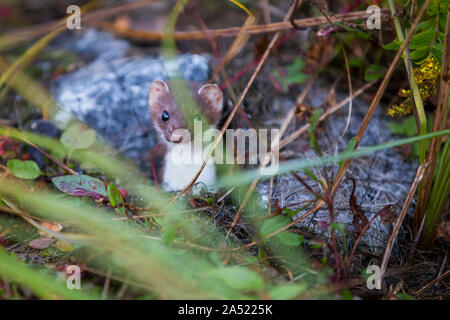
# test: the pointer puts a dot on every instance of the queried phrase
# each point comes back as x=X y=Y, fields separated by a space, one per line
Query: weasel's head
x=167 y=115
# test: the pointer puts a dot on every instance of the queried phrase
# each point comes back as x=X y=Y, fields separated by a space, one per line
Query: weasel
x=178 y=168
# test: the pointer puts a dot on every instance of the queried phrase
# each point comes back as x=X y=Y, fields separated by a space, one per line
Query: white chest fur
x=182 y=162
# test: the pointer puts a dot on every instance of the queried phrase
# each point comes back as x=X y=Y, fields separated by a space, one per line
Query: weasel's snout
x=176 y=138
x=179 y=135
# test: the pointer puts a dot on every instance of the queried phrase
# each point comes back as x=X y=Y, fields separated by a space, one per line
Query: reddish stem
x=153 y=165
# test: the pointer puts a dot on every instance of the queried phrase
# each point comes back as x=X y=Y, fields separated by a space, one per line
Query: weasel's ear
x=158 y=88
x=212 y=94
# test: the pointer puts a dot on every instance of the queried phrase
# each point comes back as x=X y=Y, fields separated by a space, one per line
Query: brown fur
x=208 y=97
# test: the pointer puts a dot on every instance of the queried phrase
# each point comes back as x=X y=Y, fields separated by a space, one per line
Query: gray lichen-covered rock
x=111 y=93
x=382 y=178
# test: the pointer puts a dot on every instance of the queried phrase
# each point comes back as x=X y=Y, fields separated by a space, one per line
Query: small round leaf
x=24 y=169
x=78 y=136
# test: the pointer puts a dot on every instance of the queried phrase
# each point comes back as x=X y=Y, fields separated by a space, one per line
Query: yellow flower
x=426 y=76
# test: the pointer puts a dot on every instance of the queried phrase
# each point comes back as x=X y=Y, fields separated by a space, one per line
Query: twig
x=10 y=40
x=26 y=217
x=358 y=239
x=433 y=282
x=311 y=190
x=237 y=45
x=59 y=163
x=106 y=284
x=297 y=6
x=401 y=216
x=17 y=212
x=269 y=204
x=143 y=35
x=265 y=6
x=329 y=112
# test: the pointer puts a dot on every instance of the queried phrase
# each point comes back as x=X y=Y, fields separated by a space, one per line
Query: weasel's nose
x=176 y=138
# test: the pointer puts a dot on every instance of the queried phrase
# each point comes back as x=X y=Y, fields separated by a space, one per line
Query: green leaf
x=407 y=127
x=393 y=46
x=437 y=53
x=443 y=7
x=292 y=213
x=239 y=278
x=287 y=291
x=419 y=53
x=374 y=72
x=312 y=136
x=422 y=39
x=64 y=246
x=262 y=255
x=404 y=296
x=315 y=117
x=311 y=175
x=169 y=234
x=78 y=136
x=337 y=226
x=283 y=77
x=425 y=25
x=290 y=238
x=346 y=295
x=354 y=62
x=24 y=169
x=273 y=224
x=433 y=8
x=114 y=196
x=58 y=154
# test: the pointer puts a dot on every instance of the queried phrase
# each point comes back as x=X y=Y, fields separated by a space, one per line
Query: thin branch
x=329 y=112
x=144 y=35
x=434 y=282
x=401 y=216
x=17 y=37
x=59 y=163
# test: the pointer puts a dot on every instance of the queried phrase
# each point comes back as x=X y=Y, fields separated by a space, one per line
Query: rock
x=382 y=178
x=111 y=92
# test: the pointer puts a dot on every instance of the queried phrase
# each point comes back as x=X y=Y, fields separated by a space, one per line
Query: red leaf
x=387 y=214
x=359 y=218
x=80 y=185
x=40 y=243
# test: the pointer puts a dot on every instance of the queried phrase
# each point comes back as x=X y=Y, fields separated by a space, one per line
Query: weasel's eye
x=165 y=116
